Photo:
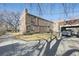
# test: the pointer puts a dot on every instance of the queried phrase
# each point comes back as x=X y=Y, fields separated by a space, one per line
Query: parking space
x=68 y=46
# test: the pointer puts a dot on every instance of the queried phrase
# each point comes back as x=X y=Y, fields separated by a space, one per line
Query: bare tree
x=73 y=9
x=65 y=9
x=11 y=19
x=40 y=10
x=15 y=20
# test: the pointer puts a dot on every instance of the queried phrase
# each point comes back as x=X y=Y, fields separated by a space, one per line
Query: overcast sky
x=47 y=11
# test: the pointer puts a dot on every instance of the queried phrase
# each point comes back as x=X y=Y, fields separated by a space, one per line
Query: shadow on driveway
x=69 y=52
x=8 y=49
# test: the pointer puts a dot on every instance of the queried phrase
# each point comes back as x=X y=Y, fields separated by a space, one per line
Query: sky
x=49 y=11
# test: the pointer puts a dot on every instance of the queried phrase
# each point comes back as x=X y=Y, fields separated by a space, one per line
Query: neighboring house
x=70 y=24
x=4 y=26
x=2 y=29
x=31 y=23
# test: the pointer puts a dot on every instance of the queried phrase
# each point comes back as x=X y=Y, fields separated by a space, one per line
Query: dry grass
x=33 y=37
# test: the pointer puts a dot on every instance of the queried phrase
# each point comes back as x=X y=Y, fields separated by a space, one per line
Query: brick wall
x=31 y=23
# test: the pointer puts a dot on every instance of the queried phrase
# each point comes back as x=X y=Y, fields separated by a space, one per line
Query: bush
x=2 y=32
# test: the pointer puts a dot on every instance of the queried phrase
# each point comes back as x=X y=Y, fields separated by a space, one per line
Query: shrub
x=2 y=32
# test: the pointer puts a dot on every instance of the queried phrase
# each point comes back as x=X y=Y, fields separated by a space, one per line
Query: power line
x=40 y=10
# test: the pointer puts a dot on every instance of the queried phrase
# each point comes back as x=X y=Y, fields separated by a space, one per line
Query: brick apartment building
x=31 y=23
x=69 y=22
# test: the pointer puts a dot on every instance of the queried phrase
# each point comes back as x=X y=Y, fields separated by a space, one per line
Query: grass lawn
x=38 y=36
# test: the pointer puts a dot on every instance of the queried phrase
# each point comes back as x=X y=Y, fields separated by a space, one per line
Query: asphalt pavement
x=10 y=46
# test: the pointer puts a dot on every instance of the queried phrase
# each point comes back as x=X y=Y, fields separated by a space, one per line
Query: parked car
x=77 y=35
x=67 y=33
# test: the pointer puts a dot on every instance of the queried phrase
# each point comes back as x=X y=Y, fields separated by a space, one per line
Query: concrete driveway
x=69 y=46
x=9 y=46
